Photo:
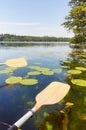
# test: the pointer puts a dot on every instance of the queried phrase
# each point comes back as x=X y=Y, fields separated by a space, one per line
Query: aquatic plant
x=13 y=80
x=28 y=81
x=47 y=72
x=58 y=71
x=7 y=70
x=74 y=71
x=49 y=126
x=31 y=103
x=67 y=61
x=35 y=68
x=79 y=82
x=81 y=68
x=45 y=114
x=64 y=67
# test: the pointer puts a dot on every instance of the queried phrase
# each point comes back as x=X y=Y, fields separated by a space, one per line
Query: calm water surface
x=16 y=99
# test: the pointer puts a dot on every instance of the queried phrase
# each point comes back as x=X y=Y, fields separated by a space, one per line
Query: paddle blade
x=52 y=94
x=18 y=62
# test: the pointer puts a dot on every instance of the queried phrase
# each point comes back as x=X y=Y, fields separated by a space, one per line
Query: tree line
x=8 y=37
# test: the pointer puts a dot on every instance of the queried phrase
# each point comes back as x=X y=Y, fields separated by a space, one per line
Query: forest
x=9 y=37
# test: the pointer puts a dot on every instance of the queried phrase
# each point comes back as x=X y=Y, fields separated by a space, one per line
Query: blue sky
x=34 y=17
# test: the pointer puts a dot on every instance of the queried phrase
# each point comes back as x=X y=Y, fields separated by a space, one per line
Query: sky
x=34 y=17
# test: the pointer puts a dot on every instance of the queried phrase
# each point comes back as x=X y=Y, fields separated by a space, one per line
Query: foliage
x=8 y=37
x=76 y=20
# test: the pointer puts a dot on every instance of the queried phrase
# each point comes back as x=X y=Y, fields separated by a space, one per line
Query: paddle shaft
x=22 y=120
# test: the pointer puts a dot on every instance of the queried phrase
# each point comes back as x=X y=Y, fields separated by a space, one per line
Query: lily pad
x=13 y=80
x=7 y=70
x=45 y=69
x=65 y=67
x=67 y=61
x=81 y=68
x=79 y=82
x=28 y=81
x=38 y=68
x=74 y=72
x=34 y=73
x=58 y=71
x=35 y=68
x=47 y=72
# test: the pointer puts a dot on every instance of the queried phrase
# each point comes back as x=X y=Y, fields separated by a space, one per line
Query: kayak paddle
x=18 y=62
x=52 y=94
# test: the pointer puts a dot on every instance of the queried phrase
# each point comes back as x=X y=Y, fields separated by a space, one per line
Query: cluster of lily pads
x=41 y=70
x=77 y=71
x=7 y=70
x=34 y=71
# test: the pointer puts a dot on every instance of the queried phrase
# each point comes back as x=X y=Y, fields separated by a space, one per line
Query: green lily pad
x=84 y=99
x=81 y=68
x=74 y=71
x=34 y=73
x=35 y=68
x=7 y=70
x=79 y=82
x=47 y=72
x=64 y=67
x=58 y=71
x=13 y=80
x=45 y=69
x=67 y=61
x=28 y=81
x=38 y=68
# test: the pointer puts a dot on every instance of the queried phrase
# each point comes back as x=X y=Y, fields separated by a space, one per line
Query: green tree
x=76 y=20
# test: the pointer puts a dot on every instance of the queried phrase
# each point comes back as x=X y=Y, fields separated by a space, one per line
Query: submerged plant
x=49 y=126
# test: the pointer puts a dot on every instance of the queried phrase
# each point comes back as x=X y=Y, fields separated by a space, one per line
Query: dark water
x=16 y=99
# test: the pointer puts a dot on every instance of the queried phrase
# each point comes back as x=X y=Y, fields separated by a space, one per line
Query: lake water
x=16 y=99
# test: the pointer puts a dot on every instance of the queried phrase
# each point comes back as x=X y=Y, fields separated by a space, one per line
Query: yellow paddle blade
x=52 y=94
x=18 y=62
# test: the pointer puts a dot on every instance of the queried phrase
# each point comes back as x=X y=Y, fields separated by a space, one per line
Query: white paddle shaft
x=23 y=119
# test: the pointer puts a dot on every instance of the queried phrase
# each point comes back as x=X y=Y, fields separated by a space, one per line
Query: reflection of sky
x=33 y=51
